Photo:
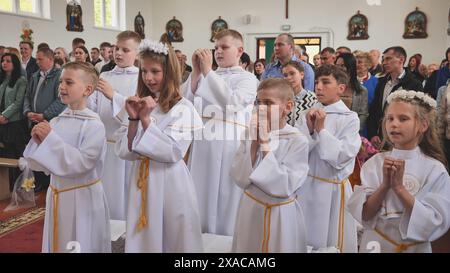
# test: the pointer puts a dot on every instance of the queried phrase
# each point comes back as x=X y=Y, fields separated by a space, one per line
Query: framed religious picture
x=415 y=25
x=139 y=25
x=74 y=16
x=217 y=26
x=358 y=27
x=448 y=29
x=174 y=30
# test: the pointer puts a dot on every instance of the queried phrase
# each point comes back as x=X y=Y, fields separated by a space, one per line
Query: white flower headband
x=153 y=46
x=410 y=95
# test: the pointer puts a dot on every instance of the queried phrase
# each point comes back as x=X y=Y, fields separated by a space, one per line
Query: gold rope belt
x=225 y=121
x=267 y=213
x=341 y=209
x=399 y=247
x=56 y=193
x=142 y=184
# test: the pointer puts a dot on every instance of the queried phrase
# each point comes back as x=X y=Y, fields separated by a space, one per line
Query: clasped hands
x=40 y=131
x=315 y=119
x=393 y=171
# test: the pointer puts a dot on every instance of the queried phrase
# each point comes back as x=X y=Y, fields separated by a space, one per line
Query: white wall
x=54 y=31
x=386 y=22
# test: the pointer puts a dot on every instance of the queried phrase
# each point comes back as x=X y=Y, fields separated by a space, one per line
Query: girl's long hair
x=350 y=64
x=170 y=91
x=429 y=142
x=15 y=74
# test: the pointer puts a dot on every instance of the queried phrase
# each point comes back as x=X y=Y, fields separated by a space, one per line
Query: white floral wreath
x=410 y=95
x=153 y=46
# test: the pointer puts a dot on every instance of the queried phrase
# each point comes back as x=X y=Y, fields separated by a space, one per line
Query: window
x=110 y=14
x=265 y=46
x=35 y=8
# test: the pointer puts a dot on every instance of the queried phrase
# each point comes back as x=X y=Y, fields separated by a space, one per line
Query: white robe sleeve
x=282 y=177
x=93 y=101
x=370 y=182
x=118 y=105
x=340 y=152
x=217 y=91
x=430 y=217
x=121 y=146
x=64 y=160
x=186 y=89
x=34 y=165
x=241 y=168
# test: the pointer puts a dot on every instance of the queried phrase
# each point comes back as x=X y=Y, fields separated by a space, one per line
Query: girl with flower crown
x=162 y=213
x=404 y=200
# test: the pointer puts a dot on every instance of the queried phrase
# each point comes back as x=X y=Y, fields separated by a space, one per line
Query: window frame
x=119 y=20
x=42 y=10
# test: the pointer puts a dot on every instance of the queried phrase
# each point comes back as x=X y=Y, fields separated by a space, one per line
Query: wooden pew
x=5 y=164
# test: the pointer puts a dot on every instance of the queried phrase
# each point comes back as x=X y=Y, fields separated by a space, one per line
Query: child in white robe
x=225 y=98
x=334 y=143
x=270 y=168
x=162 y=211
x=108 y=101
x=72 y=148
x=404 y=200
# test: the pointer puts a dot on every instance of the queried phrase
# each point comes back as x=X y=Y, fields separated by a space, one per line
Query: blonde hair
x=229 y=32
x=88 y=69
x=127 y=35
x=170 y=92
x=429 y=142
x=365 y=57
x=285 y=93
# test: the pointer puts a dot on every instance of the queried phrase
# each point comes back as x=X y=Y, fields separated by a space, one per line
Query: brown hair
x=170 y=92
x=429 y=142
x=285 y=89
x=86 y=51
x=127 y=35
x=330 y=69
x=229 y=32
x=88 y=69
x=47 y=52
x=295 y=65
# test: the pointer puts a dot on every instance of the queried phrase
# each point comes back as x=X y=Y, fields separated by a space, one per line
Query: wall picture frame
x=416 y=25
x=74 y=16
x=139 y=25
x=358 y=27
x=174 y=30
x=217 y=26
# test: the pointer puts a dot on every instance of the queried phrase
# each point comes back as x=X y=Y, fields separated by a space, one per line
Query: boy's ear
x=342 y=87
x=89 y=90
x=240 y=51
x=289 y=106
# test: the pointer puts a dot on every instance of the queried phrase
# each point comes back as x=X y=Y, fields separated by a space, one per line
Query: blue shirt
x=274 y=70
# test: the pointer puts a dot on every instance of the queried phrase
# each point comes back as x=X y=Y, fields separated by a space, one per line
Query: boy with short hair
x=108 y=101
x=72 y=148
x=334 y=143
x=270 y=168
x=225 y=97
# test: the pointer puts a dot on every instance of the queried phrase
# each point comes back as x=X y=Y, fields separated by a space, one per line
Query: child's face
x=152 y=75
x=293 y=76
x=328 y=90
x=74 y=88
x=402 y=127
x=277 y=107
x=228 y=52
x=125 y=53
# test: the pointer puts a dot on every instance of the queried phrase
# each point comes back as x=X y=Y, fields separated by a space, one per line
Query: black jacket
x=32 y=67
x=408 y=82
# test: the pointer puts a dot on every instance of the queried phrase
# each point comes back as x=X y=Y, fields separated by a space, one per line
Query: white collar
x=125 y=70
x=405 y=154
x=234 y=69
x=338 y=107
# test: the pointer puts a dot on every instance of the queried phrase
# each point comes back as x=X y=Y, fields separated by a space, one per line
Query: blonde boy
x=334 y=143
x=224 y=98
x=72 y=148
x=270 y=168
x=108 y=101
